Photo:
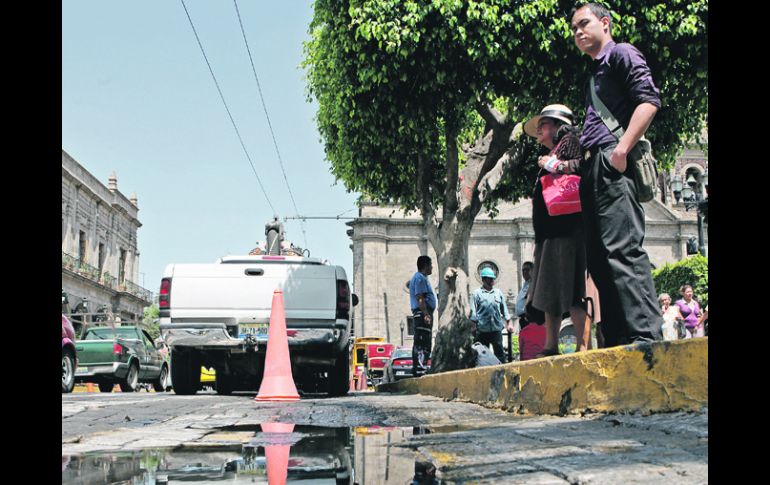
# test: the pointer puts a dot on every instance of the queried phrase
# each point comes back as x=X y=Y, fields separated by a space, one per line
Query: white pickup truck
x=217 y=315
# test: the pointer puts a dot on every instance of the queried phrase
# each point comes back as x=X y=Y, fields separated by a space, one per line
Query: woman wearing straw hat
x=558 y=282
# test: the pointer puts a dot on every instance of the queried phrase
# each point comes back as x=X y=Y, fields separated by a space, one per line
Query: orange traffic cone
x=277 y=381
x=277 y=456
x=362 y=382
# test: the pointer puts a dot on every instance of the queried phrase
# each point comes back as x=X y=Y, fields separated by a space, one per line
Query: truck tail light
x=117 y=349
x=164 y=298
x=343 y=299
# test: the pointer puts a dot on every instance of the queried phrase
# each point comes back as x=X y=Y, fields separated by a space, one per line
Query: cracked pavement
x=467 y=442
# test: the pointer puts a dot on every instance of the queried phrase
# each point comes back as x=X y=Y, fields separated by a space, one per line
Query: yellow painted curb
x=654 y=377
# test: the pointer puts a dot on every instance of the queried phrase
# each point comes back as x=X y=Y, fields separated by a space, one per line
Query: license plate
x=259 y=330
x=400 y=373
x=81 y=370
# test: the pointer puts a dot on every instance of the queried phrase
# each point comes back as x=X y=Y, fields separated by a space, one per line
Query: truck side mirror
x=355 y=299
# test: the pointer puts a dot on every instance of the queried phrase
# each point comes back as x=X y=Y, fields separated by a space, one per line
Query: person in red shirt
x=531 y=340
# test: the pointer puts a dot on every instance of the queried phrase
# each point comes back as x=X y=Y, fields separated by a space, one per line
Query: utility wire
x=226 y=108
x=269 y=124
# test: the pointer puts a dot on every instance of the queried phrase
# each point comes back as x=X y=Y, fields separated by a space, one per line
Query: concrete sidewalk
x=645 y=378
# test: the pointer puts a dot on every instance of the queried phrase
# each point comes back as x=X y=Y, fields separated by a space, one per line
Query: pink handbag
x=561 y=194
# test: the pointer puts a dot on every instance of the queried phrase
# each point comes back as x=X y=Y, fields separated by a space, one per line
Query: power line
x=222 y=97
x=269 y=124
x=302 y=218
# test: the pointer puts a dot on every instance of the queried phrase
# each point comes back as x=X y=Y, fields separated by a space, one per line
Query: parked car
x=165 y=352
x=400 y=365
x=124 y=355
x=69 y=359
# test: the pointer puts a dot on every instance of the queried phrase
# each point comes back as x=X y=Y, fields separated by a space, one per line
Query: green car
x=120 y=355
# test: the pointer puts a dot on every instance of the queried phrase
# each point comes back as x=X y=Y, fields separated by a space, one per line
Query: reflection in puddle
x=276 y=453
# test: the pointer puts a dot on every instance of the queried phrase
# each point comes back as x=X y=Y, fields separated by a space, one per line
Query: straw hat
x=556 y=111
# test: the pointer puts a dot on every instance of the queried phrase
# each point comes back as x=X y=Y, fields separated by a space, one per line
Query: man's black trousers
x=620 y=267
x=423 y=343
x=494 y=338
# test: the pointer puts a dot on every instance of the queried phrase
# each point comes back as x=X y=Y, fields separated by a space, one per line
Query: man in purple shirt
x=613 y=216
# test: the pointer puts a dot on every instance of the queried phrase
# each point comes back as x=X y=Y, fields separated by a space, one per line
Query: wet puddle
x=272 y=453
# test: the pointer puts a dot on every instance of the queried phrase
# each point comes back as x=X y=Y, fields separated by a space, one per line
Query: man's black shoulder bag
x=640 y=158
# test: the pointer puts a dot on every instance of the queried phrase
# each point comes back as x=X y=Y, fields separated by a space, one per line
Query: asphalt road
x=464 y=442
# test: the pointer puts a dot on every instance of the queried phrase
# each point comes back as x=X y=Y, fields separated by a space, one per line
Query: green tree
x=693 y=271
x=152 y=320
x=419 y=103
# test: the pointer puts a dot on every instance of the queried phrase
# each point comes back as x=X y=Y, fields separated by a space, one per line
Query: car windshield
x=401 y=353
x=110 y=333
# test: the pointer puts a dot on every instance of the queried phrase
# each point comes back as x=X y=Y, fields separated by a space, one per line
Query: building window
x=82 y=247
x=101 y=257
x=696 y=174
x=122 y=267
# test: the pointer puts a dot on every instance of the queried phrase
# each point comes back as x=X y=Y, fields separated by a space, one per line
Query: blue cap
x=488 y=273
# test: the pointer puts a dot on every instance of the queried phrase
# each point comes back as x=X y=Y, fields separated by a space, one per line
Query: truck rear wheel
x=339 y=375
x=225 y=382
x=161 y=384
x=185 y=372
x=131 y=382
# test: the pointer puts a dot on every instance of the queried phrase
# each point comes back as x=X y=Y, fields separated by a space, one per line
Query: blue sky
x=138 y=99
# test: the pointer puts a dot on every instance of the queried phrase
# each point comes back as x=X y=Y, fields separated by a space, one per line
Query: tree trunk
x=486 y=161
x=452 y=349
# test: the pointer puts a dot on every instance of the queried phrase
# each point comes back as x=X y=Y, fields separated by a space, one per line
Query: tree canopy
x=390 y=76
x=420 y=104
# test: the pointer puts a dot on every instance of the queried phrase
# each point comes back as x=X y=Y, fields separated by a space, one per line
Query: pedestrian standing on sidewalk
x=559 y=274
x=490 y=314
x=613 y=215
x=531 y=340
x=423 y=303
x=691 y=312
x=521 y=298
x=671 y=317
x=704 y=321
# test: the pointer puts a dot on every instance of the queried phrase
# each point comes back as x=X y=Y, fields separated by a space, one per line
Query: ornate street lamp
x=692 y=199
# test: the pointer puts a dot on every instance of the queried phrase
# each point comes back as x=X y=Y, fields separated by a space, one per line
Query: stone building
x=387 y=242
x=380 y=457
x=100 y=259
